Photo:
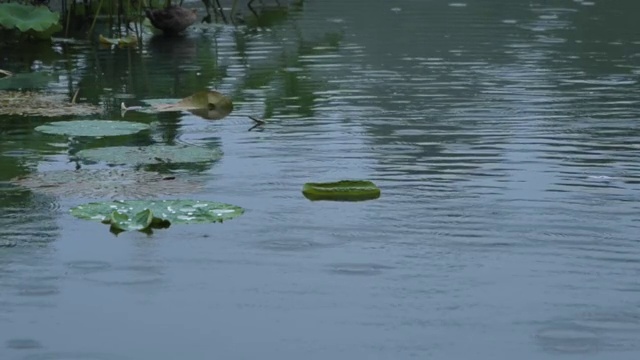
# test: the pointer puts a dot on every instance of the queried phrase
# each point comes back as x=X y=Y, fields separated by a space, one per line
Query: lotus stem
x=66 y=28
x=233 y=9
x=95 y=17
x=258 y=121
x=73 y=100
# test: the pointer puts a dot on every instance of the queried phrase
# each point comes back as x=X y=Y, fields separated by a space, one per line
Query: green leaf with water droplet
x=174 y=211
x=139 y=221
x=344 y=190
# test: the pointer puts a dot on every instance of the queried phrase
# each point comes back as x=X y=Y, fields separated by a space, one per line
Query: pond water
x=504 y=136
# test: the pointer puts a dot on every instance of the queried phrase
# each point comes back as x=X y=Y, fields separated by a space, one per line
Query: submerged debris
x=30 y=103
x=5 y=73
x=109 y=183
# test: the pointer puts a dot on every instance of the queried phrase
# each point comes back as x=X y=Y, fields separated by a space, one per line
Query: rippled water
x=504 y=137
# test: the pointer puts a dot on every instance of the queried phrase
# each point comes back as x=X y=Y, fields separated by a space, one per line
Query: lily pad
x=152 y=154
x=174 y=211
x=344 y=190
x=27 y=103
x=38 y=21
x=108 y=183
x=207 y=104
x=95 y=128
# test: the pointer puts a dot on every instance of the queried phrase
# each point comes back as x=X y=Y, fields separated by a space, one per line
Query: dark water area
x=504 y=136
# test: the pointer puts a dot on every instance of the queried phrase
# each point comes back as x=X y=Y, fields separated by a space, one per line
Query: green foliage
x=130 y=214
x=139 y=221
x=37 y=21
x=345 y=190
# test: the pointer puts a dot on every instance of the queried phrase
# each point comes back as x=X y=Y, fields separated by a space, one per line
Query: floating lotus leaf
x=152 y=154
x=36 y=20
x=95 y=128
x=345 y=190
x=174 y=211
x=108 y=183
x=27 y=103
x=207 y=104
x=139 y=221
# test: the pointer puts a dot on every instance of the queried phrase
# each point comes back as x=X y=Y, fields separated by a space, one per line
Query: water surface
x=504 y=137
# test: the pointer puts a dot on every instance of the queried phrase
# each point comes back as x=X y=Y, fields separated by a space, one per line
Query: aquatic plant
x=34 y=21
x=143 y=215
x=344 y=190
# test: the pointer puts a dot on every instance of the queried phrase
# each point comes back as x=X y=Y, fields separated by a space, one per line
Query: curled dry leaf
x=129 y=40
x=210 y=105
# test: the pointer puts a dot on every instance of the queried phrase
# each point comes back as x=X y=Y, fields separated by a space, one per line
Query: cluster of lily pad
x=138 y=214
x=144 y=214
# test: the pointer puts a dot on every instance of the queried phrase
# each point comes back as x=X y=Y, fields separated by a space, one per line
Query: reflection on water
x=503 y=136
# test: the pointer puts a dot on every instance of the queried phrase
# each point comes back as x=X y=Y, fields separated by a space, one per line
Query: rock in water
x=172 y=20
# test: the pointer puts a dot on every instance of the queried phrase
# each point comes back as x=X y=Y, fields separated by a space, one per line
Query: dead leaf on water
x=207 y=104
x=129 y=40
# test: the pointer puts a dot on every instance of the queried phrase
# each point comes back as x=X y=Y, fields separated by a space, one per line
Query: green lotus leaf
x=38 y=20
x=173 y=211
x=152 y=154
x=139 y=221
x=95 y=128
x=344 y=190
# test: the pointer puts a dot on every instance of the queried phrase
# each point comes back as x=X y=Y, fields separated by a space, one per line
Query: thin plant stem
x=95 y=17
